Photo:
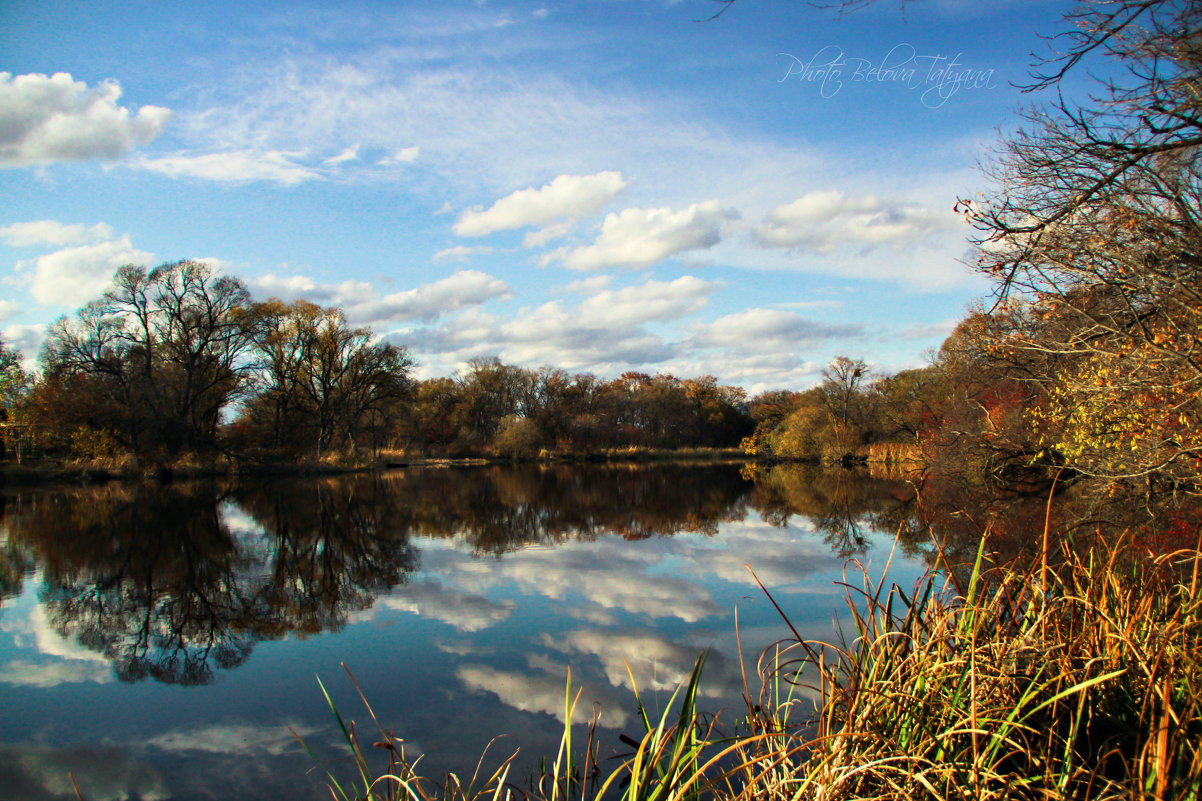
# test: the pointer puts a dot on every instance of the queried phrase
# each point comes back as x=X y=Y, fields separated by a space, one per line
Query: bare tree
x=1096 y=224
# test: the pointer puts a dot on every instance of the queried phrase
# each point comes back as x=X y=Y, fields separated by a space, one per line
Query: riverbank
x=84 y=472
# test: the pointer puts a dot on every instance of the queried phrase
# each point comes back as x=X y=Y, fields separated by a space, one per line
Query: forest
x=179 y=363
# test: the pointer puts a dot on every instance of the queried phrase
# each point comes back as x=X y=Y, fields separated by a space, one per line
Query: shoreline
x=49 y=472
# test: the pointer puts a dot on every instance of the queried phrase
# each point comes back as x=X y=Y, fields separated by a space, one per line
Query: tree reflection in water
x=173 y=583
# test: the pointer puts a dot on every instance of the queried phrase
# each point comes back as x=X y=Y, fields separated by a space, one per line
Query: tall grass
x=1074 y=678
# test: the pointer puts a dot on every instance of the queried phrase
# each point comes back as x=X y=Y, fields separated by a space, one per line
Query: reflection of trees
x=961 y=508
x=147 y=577
x=841 y=504
x=15 y=563
x=336 y=546
x=169 y=584
x=498 y=509
x=154 y=579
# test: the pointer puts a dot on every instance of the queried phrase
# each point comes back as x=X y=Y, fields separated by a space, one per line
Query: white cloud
x=103 y=774
x=824 y=220
x=656 y=662
x=45 y=119
x=643 y=237
x=350 y=154
x=406 y=155
x=603 y=331
x=74 y=276
x=28 y=340
x=235 y=167
x=590 y=285
x=935 y=330
x=608 y=580
x=7 y=308
x=458 y=253
x=536 y=239
x=766 y=331
x=647 y=302
x=52 y=232
x=364 y=305
x=570 y=196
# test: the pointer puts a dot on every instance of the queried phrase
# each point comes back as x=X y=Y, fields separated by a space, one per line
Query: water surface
x=164 y=642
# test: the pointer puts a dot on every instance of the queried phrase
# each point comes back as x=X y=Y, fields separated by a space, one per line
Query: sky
x=599 y=186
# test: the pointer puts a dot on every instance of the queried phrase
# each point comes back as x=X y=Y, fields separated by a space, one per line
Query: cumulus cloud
x=767 y=330
x=646 y=302
x=570 y=196
x=239 y=166
x=364 y=305
x=604 y=329
x=74 y=276
x=822 y=221
x=643 y=237
x=27 y=339
x=459 y=253
x=536 y=239
x=656 y=662
x=52 y=232
x=609 y=580
x=44 y=119
x=23 y=673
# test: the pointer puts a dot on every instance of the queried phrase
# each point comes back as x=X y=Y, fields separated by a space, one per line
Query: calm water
x=161 y=642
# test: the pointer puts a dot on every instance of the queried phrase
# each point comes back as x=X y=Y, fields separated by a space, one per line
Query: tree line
x=180 y=361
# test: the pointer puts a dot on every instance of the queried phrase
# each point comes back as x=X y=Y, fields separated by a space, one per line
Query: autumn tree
x=323 y=384
x=14 y=383
x=1097 y=224
x=843 y=381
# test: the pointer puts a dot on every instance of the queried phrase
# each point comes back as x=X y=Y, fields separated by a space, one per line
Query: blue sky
x=603 y=185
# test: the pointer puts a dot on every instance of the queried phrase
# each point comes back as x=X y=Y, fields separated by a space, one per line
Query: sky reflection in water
x=159 y=642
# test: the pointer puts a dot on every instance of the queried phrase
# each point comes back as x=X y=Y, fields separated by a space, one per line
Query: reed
x=1071 y=678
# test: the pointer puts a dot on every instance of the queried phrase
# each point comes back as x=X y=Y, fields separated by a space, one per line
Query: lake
x=164 y=642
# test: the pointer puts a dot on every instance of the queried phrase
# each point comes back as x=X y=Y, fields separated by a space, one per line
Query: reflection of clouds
x=51 y=643
x=545 y=694
x=608 y=574
x=656 y=662
x=242 y=739
x=779 y=556
x=23 y=673
x=32 y=630
x=464 y=611
x=33 y=773
x=462 y=648
x=662 y=578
